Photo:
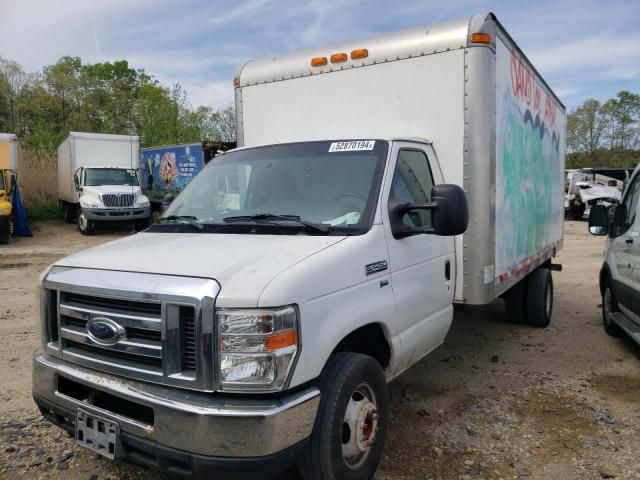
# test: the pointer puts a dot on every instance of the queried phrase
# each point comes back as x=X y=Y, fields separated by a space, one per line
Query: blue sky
x=582 y=48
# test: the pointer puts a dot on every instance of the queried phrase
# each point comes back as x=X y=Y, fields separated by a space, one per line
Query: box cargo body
x=93 y=150
x=170 y=168
x=497 y=128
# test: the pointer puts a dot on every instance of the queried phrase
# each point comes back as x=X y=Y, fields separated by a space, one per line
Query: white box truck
x=301 y=273
x=98 y=180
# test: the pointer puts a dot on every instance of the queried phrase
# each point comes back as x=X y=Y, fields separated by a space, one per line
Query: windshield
x=94 y=177
x=334 y=184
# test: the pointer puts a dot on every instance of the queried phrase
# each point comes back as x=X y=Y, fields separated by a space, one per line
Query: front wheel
x=86 y=226
x=6 y=230
x=143 y=223
x=351 y=425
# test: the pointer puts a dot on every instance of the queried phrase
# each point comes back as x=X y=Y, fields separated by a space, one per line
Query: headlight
x=85 y=204
x=257 y=347
x=143 y=204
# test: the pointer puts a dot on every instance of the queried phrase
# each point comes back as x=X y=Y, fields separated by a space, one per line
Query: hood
x=243 y=265
x=594 y=192
x=99 y=189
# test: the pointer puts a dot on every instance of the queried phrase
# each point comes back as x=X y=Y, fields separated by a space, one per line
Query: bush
x=44 y=212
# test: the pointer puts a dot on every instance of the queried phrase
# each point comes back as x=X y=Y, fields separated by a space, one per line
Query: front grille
x=140 y=347
x=117 y=200
x=147 y=327
x=188 y=338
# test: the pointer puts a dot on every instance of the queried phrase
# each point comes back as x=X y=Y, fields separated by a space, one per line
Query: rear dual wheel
x=530 y=301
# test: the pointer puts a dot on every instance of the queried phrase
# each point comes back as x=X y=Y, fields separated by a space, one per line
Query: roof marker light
x=318 y=61
x=339 y=57
x=481 y=38
x=359 y=53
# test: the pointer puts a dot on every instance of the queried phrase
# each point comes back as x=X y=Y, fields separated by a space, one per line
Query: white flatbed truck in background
x=378 y=182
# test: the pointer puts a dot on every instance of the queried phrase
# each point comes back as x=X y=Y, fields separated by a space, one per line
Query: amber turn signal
x=282 y=340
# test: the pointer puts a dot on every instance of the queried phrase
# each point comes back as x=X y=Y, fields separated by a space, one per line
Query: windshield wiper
x=272 y=216
x=190 y=219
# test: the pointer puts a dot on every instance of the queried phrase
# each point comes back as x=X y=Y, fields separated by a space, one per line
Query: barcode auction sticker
x=352 y=146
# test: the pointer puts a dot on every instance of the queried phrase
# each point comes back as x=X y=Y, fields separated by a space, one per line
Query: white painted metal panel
x=418 y=97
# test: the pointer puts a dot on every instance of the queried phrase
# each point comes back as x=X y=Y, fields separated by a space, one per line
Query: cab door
x=422 y=266
x=624 y=251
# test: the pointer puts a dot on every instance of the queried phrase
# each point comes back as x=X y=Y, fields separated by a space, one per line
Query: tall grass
x=38 y=180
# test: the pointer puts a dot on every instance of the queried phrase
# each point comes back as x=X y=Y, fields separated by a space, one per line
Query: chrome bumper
x=115 y=214
x=199 y=423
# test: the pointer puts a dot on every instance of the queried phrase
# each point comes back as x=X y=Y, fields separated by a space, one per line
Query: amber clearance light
x=359 y=53
x=481 y=38
x=318 y=61
x=339 y=57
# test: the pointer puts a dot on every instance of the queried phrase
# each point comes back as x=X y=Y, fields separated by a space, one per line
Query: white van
x=620 y=273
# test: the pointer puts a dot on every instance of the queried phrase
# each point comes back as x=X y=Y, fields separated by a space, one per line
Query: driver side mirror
x=449 y=213
x=599 y=220
x=76 y=181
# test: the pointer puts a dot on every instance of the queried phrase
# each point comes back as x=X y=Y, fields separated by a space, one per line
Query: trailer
x=167 y=169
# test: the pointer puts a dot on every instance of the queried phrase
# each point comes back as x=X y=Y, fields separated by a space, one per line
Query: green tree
x=585 y=128
x=622 y=115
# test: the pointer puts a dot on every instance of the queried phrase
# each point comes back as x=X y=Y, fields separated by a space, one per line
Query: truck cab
x=109 y=193
x=280 y=263
x=8 y=179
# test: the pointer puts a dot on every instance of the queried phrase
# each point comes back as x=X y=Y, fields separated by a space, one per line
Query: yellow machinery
x=8 y=177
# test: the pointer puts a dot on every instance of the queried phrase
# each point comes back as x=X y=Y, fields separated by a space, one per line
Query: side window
x=412 y=182
x=630 y=205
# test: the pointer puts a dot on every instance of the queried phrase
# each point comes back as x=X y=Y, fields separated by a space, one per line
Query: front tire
x=6 y=230
x=609 y=306
x=143 y=224
x=351 y=425
x=86 y=226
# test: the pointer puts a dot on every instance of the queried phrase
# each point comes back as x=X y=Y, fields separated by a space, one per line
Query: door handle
x=629 y=241
x=447 y=270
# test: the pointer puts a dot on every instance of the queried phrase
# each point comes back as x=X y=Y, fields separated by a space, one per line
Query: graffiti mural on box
x=529 y=157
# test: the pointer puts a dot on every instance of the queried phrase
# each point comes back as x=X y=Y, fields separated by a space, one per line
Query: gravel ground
x=496 y=401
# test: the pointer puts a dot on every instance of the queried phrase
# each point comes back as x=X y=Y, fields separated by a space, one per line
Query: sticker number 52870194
x=352 y=146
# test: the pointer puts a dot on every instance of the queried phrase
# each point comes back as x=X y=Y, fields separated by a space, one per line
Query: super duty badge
x=376 y=267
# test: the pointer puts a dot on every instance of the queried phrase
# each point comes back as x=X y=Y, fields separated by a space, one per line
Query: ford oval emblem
x=104 y=330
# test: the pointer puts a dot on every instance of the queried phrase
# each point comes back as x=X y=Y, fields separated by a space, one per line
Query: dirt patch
x=559 y=421
x=496 y=401
x=622 y=387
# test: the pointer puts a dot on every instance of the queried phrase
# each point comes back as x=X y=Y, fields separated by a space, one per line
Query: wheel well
x=368 y=340
x=604 y=277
